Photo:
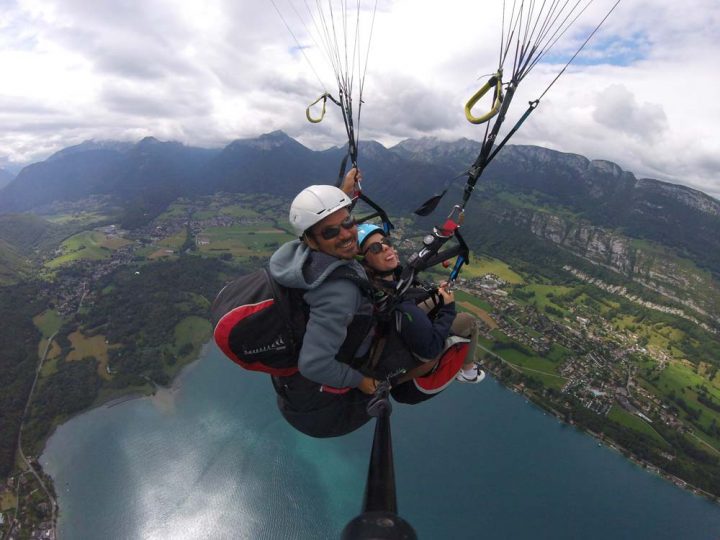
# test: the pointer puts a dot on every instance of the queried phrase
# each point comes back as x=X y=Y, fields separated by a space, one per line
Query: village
x=600 y=370
x=32 y=516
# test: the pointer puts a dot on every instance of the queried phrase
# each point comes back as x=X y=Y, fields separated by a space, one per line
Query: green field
x=706 y=370
x=84 y=218
x=242 y=241
x=557 y=353
x=174 y=241
x=48 y=322
x=195 y=330
x=95 y=346
x=461 y=296
x=7 y=501
x=205 y=214
x=679 y=381
x=531 y=365
x=680 y=375
x=162 y=253
x=52 y=353
x=533 y=202
x=175 y=210
x=547 y=379
x=521 y=359
x=634 y=422
x=87 y=245
x=245 y=206
x=704 y=442
x=707 y=416
x=626 y=322
x=49 y=368
x=190 y=301
x=190 y=335
x=233 y=210
x=658 y=336
x=481 y=265
x=544 y=295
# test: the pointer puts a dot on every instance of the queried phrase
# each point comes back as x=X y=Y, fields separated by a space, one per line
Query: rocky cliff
x=655 y=267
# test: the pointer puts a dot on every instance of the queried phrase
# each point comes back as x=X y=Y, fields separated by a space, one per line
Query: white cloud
x=208 y=71
x=616 y=108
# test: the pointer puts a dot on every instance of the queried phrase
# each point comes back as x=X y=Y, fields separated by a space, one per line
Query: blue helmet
x=366 y=229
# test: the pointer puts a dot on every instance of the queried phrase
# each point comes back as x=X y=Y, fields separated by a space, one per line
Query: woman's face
x=385 y=259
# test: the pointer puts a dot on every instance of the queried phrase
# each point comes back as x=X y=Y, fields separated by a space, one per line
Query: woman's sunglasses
x=328 y=233
x=377 y=247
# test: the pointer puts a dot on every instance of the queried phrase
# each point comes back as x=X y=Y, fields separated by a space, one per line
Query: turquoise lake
x=213 y=459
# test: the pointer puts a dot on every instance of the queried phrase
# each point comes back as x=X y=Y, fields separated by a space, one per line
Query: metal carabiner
x=494 y=82
x=322 y=113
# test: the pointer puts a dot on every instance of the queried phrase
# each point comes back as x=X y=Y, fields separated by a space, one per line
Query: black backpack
x=260 y=324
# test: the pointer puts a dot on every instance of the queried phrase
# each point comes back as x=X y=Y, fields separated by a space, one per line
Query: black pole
x=379 y=519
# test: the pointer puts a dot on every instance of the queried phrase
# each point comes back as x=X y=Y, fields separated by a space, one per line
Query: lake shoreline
x=609 y=443
x=123 y=395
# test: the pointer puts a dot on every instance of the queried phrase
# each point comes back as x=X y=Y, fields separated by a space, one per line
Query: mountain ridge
x=5 y=178
x=456 y=155
x=524 y=185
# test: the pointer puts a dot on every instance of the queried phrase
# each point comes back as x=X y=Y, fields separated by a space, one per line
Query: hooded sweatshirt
x=333 y=305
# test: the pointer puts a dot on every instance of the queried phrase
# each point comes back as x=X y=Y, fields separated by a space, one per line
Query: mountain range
x=564 y=207
x=5 y=178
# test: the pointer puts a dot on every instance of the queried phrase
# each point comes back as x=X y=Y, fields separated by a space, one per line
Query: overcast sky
x=205 y=72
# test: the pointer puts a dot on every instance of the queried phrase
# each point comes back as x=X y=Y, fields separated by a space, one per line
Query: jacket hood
x=295 y=265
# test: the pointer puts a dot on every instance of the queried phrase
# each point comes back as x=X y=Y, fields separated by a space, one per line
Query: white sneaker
x=479 y=376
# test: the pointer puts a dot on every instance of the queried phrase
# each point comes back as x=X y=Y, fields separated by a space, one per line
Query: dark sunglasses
x=328 y=233
x=377 y=247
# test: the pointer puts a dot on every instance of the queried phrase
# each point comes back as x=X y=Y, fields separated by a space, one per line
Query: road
x=53 y=502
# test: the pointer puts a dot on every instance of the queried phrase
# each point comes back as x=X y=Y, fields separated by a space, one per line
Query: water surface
x=214 y=459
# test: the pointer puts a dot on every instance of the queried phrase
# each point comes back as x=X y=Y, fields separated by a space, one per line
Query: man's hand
x=351 y=182
x=368 y=385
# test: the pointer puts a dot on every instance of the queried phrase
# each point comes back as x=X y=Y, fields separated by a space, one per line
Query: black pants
x=318 y=413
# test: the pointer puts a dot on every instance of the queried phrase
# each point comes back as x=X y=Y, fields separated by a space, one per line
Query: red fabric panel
x=333 y=390
x=450 y=364
x=222 y=338
x=449 y=226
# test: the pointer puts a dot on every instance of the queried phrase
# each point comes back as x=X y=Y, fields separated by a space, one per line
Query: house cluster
x=70 y=288
x=622 y=291
x=600 y=369
x=33 y=518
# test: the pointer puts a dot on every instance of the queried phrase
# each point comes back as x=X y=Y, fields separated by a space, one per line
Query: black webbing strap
x=532 y=106
x=482 y=160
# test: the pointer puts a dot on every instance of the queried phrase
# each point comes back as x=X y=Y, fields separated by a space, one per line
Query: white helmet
x=315 y=203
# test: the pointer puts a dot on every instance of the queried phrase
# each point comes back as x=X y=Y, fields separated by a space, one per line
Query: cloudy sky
x=205 y=72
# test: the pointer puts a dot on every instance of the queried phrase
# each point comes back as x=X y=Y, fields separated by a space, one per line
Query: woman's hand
x=446 y=293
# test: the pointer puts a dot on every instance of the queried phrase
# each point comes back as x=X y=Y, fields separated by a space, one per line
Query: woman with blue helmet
x=419 y=335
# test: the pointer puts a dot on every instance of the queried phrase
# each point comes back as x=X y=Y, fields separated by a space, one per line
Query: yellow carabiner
x=322 y=114
x=494 y=81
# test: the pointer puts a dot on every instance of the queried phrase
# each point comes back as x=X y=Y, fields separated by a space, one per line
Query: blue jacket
x=425 y=337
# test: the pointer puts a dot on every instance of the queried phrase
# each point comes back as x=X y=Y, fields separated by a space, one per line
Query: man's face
x=342 y=245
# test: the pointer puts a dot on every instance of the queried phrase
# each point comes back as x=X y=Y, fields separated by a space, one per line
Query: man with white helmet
x=328 y=396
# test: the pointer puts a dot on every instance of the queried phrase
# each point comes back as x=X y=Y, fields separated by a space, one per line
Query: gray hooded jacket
x=333 y=305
